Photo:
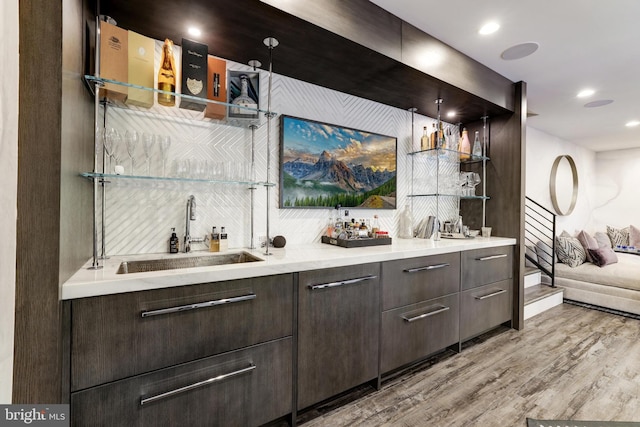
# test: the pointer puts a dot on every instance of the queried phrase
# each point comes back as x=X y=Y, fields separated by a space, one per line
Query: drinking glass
x=147 y=146
x=110 y=139
x=163 y=144
x=476 y=181
x=131 y=139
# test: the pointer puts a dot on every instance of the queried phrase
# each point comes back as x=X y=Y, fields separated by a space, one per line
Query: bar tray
x=357 y=243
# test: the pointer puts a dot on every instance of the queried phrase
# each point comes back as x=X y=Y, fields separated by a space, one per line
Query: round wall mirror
x=563 y=185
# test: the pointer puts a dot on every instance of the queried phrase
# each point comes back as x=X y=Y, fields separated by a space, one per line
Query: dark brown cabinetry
x=209 y=354
x=487 y=285
x=247 y=387
x=338 y=330
x=420 y=308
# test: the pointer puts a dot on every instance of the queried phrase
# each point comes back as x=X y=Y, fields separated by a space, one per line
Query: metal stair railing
x=539 y=232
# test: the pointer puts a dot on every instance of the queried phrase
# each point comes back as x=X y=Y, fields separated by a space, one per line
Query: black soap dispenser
x=174 y=242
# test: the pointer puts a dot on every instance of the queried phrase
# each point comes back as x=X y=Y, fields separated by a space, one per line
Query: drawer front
x=246 y=387
x=413 y=332
x=408 y=281
x=484 y=308
x=119 y=336
x=338 y=330
x=484 y=266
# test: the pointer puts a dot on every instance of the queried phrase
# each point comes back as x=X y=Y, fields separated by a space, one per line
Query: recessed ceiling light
x=520 y=51
x=451 y=114
x=598 y=103
x=632 y=123
x=195 y=32
x=489 y=28
x=584 y=93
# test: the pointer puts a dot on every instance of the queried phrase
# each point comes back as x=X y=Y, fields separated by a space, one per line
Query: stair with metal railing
x=541 y=293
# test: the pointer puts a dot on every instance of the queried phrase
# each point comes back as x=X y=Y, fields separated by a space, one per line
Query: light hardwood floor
x=568 y=363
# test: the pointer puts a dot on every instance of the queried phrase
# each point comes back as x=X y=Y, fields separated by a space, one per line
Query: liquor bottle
x=464 y=147
x=424 y=141
x=441 y=143
x=477 y=147
x=243 y=100
x=433 y=138
x=167 y=75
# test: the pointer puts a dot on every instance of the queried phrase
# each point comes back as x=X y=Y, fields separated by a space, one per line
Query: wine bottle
x=441 y=143
x=464 y=146
x=433 y=138
x=424 y=141
x=477 y=147
x=167 y=75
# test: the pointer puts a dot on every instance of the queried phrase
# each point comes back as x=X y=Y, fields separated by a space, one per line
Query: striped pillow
x=570 y=251
x=618 y=236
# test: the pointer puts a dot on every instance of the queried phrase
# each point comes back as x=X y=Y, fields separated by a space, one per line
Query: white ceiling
x=583 y=44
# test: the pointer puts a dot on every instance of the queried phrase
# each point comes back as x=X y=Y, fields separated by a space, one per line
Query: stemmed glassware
x=110 y=137
x=476 y=180
x=147 y=146
x=131 y=139
x=164 y=143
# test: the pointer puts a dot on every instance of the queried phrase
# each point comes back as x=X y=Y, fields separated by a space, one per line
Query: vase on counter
x=406 y=223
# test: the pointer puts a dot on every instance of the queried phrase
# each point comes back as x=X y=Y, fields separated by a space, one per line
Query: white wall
x=616 y=201
x=542 y=150
x=8 y=177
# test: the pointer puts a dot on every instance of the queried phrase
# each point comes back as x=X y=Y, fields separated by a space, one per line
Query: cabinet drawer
x=246 y=387
x=484 y=308
x=415 y=331
x=118 y=336
x=484 y=266
x=338 y=330
x=408 y=281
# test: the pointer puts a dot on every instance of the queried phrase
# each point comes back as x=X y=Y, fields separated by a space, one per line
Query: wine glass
x=476 y=181
x=119 y=152
x=147 y=146
x=110 y=137
x=131 y=139
x=163 y=144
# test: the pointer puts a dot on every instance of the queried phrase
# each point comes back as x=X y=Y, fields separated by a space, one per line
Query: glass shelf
x=432 y=152
x=157 y=109
x=92 y=175
x=450 y=195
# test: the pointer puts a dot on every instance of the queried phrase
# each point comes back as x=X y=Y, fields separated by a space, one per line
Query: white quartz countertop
x=89 y=283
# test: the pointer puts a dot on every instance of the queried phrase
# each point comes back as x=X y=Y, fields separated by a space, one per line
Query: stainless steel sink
x=189 y=262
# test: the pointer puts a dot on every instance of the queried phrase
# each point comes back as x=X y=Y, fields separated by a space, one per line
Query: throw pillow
x=570 y=251
x=603 y=256
x=587 y=243
x=634 y=236
x=618 y=236
x=602 y=239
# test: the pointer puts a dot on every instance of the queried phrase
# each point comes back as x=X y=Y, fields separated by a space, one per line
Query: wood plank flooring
x=568 y=363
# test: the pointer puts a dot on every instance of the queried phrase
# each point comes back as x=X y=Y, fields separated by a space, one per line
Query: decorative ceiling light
x=632 y=123
x=451 y=114
x=195 y=32
x=598 y=103
x=520 y=51
x=585 y=93
x=489 y=28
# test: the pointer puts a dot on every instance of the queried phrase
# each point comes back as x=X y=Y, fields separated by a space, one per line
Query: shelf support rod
x=484 y=170
x=271 y=43
x=95 y=264
x=252 y=188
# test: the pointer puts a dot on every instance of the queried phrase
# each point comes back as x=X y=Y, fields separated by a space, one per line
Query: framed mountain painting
x=323 y=165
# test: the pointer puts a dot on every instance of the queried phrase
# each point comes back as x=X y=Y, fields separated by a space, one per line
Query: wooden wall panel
x=37 y=373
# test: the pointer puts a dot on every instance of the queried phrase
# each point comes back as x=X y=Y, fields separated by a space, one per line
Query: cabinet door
x=485 y=307
x=408 y=281
x=413 y=332
x=484 y=266
x=247 y=387
x=118 y=336
x=338 y=330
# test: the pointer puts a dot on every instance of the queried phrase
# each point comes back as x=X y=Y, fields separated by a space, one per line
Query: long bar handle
x=442 y=309
x=487 y=258
x=493 y=294
x=428 y=267
x=198 y=305
x=199 y=384
x=341 y=283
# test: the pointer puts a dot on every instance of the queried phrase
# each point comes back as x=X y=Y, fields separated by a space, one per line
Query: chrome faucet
x=191 y=216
